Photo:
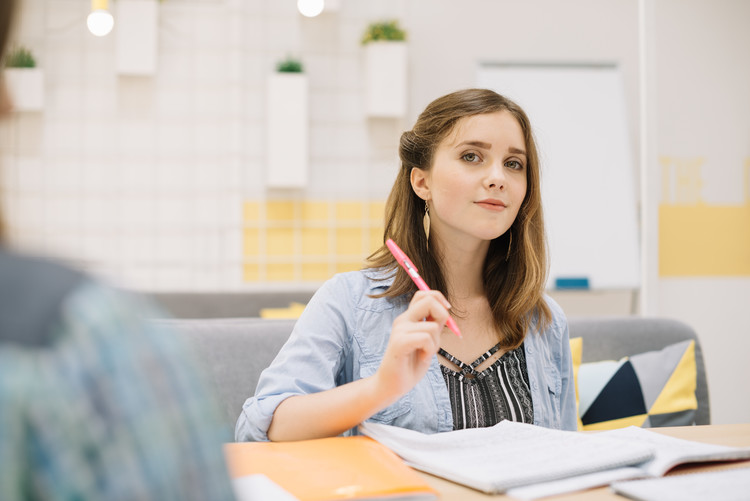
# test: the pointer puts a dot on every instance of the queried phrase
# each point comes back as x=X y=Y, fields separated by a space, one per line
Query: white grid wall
x=143 y=179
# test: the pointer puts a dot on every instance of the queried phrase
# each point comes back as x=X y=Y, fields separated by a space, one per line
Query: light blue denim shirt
x=342 y=336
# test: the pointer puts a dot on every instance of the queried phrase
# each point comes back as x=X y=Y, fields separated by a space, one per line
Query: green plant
x=289 y=65
x=20 y=57
x=383 y=30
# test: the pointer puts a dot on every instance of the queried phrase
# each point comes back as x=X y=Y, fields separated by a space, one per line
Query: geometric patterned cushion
x=655 y=388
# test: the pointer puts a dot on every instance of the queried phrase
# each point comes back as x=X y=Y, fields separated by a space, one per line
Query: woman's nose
x=495 y=176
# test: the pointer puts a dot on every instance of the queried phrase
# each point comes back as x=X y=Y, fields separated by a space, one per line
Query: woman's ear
x=420 y=183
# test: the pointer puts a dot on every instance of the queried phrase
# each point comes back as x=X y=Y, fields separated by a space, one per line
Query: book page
x=670 y=451
x=508 y=454
x=725 y=485
x=575 y=484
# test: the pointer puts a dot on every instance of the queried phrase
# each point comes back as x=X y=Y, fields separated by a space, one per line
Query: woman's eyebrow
x=488 y=146
x=478 y=144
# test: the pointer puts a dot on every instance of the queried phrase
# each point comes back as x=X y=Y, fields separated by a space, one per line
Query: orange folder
x=330 y=469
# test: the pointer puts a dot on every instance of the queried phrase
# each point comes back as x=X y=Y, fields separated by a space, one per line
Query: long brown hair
x=7 y=12
x=514 y=286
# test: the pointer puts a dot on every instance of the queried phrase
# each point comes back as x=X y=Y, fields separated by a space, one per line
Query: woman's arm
x=412 y=344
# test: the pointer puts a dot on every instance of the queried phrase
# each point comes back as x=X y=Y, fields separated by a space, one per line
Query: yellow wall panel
x=315 y=271
x=349 y=211
x=251 y=272
x=349 y=241
x=251 y=243
x=315 y=211
x=376 y=239
x=280 y=210
x=315 y=241
x=281 y=272
x=348 y=266
x=704 y=240
x=280 y=242
x=251 y=211
x=295 y=239
x=377 y=211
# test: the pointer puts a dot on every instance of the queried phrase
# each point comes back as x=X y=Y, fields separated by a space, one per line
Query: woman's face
x=477 y=182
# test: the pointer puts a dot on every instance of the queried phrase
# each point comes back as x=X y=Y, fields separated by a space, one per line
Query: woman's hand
x=415 y=339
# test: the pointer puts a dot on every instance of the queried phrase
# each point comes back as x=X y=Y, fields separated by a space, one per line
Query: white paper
x=672 y=451
x=508 y=454
x=726 y=485
x=259 y=488
x=574 y=484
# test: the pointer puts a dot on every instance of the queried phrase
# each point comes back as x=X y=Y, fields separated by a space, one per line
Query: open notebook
x=520 y=458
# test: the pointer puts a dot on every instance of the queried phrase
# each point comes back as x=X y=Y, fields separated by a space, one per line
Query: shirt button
x=534 y=385
x=529 y=350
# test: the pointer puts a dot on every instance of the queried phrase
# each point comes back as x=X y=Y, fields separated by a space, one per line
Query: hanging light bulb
x=100 y=21
x=310 y=8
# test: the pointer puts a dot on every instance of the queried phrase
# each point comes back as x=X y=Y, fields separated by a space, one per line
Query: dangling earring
x=426 y=224
x=510 y=241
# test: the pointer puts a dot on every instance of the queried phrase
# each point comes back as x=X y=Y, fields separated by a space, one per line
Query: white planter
x=26 y=88
x=136 y=36
x=287 y=131
x=385 y=78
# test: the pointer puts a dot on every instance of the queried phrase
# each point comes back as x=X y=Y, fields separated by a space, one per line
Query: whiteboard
x=578 y=115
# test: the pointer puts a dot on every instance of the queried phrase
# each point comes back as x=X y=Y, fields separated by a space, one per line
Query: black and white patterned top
x=501 y=391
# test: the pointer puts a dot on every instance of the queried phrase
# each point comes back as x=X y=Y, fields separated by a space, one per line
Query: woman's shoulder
x=359 y=283
x=558 y=315
x=558 y=322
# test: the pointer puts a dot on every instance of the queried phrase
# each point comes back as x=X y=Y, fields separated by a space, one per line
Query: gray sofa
x=236 y=350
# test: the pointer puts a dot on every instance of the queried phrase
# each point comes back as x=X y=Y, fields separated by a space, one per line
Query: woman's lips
x=491 y=204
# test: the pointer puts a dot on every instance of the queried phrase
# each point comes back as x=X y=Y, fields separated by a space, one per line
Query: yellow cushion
x=655 y=388
x=293 y=311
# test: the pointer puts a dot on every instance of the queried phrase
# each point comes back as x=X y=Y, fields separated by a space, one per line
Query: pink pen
x=411 y=270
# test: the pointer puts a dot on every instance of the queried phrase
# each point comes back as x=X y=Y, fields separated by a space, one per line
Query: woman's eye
x=470 y=157
x=514 y=164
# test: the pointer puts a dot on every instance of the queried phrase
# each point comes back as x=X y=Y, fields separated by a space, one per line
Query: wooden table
x=737 y=435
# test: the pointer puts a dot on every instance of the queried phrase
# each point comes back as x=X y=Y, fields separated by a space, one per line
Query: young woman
x=466 y=209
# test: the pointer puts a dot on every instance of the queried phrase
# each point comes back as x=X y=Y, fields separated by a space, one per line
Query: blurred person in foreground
x=96 y=403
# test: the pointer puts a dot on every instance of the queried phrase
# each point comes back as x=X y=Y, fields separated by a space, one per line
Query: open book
x=668 y=453
x=324 y=469
x=517 y=458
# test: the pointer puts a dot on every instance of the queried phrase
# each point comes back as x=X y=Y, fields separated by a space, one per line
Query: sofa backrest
x=226 y=304
x=235 y=351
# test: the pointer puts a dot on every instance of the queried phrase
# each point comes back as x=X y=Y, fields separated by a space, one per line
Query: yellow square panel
x=377 y=211
x=349 y=241
x=315 y=211
x=315 y=241
x=251 y=242
x=251 y=272
x=376 y=239
x=342 y=267
x=280 y=241
x=280 y=272
x=251 y=212
x=280 y=210
x=315 y=271
x=349 y=211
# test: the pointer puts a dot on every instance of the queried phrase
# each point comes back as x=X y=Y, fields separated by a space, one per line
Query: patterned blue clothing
x=105 y=406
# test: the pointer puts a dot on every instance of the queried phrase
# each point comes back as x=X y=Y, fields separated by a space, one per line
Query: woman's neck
x=462 y=268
